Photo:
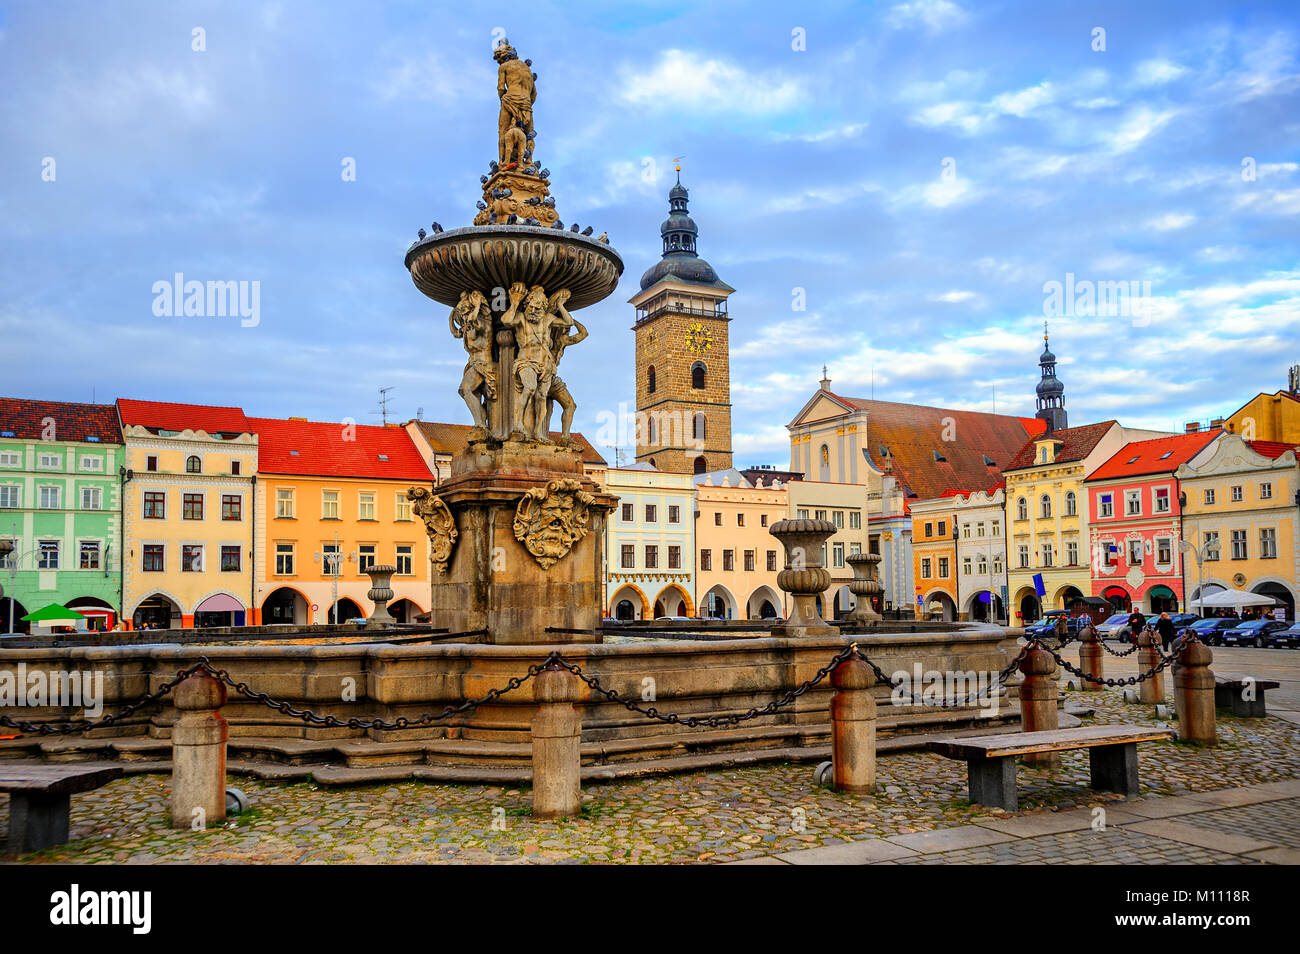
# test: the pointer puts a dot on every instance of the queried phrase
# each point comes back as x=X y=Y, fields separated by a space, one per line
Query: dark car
x=1208 y=631
x=1046 y=627
x=1255 y=632
x=1289 y=637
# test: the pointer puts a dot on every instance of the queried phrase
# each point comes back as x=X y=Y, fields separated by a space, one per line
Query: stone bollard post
x=1150 y=691
x=1194 y=693
x=199 y=753
x=557 y=745
x=853 y=727
x=1038 y=712
x=1090 y=658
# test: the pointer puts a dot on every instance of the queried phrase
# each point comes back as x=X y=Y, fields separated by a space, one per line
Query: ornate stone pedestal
x=381 y=591
x=528 y=547
x=864 y=586
x=804 y=576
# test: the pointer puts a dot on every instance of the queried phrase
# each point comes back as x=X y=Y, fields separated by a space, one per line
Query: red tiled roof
x=319 y=449
x=1158 y=456
x=1272 y=449
x=1077 y=443
x=454 y=438
x=72 y=422
x=912 y=433
x=178 y=417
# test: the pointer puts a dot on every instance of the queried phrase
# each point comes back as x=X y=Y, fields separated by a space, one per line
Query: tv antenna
x=383 y=404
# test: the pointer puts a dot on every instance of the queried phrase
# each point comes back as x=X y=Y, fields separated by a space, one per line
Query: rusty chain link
x=87 y=725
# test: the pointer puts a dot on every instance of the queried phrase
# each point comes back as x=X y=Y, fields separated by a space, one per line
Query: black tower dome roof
x=680 y=260
x=1050 y=390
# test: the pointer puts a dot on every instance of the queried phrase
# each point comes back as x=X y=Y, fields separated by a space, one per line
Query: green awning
x=54 y=613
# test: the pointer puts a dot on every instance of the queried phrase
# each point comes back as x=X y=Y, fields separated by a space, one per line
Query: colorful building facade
x=60 y=508
x=739 y=557
x=981 y=555
x=844 y=505
x=934 y=557
x=649 y=544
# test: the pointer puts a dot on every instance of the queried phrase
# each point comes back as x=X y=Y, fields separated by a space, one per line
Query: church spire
x=1050 y=390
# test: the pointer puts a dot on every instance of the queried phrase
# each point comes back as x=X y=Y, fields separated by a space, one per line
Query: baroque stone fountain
x=517 y=530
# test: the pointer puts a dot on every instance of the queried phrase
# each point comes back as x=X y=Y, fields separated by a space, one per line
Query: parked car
x=1182 y=619
x=1209 y=631
x=1113 y=627
x=1289 y=637
x=1255 y=632
x=1047 y=625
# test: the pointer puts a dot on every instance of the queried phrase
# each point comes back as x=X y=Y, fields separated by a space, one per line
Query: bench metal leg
x=37 y=821
x=993 y=782
x=1115 y=768
x=1248 y=709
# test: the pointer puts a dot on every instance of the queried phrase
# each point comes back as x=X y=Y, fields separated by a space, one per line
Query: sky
x=891 y=189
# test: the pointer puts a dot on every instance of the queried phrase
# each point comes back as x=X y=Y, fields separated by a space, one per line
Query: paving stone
x=1184 y=829
x=853 y=853
x=947 y=839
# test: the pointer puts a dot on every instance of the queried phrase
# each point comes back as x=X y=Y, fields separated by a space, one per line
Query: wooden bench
x=1229 y=693
x=991 y=759
x=40 y=799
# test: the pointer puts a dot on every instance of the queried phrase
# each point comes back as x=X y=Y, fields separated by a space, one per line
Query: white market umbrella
x=1233 y=599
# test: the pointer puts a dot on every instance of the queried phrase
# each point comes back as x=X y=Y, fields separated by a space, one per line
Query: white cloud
x=1025 y=101
x=683 y=81
x=965 y=116
x=1170 y=221
x=933 y=15
x=1137 y=126
x=954 y=297
x=1157 y=72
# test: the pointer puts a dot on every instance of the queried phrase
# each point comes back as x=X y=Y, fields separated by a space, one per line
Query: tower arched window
x=1071 y=504
x=700 y=464
x=700 y=426
x=650 y=380
x=698 y=376
x=650 y=429
x=1022 y=509
x=1044 y=506
x=193 y=465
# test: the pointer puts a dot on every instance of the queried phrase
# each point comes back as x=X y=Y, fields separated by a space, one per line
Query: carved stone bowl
x=484 y=257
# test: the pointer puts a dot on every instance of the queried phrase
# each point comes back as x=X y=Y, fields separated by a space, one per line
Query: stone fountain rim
x=423 y=245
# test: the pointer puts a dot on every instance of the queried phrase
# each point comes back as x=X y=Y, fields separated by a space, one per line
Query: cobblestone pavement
x=1080 y=848
x=716 y=816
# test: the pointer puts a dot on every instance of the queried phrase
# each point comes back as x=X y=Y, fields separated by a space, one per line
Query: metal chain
x=1164 y=664
x=1003 y=676
x=86 y=725
x=1118 y=655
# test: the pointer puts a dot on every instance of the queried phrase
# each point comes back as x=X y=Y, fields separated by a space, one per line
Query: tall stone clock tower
x=683 y=375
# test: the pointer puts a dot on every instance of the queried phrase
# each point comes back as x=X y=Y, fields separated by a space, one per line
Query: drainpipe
x=252 y=560
x=123 y=476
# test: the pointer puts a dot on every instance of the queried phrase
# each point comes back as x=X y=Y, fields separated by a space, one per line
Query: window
x=740 y=519
x=192 y=558
x=1023 y=553
x=10 y=459
x=92 y=498
x=750 y=560
x=51 y=461
x=627 y=556
x=819 y=514
x=982 y=564
x=1236 y=494
x=1266 y=491
x=855 y=549
x=650 y=380
x=1210 y=544
x=837 y=555
x=151 y=462
x=965 y=531
x=49 y=498
x=1135 y=553
x=1045 y=506
x=1106 y=505
x=89 y=555
x=997 y=563
x=706 y=559
x=943 y=528
x=284 y=503
x=1268 y=543
x=728 y=560
x=229 y=559
x=1071 y=504
x=966 y=566
x=401 y=506
x=1045 y=554
x=700 y=426
x=1209 y=496
x=943 y=568
x=192 y=507
x=1162 y=500
x=193 y=465
x=855 y=520
x=925 y=568
x=801 y=514
x=284 y=559
x=838 y=519
x=651 y=557
x=698 y=376
x=329 y=505
x=674 y=557
x=1022 y=509
x=674 y=513
x=627 y=513
x=403 y=561
x=234 y=468
x=10 y=494
x=365 y=557
x=1239 y=544
x=365 y=506
x=1164 y=551
x=155 y=505
x=651 y=513
x=717 y=519
x=1132 y=502
x=92 y=463
x=232 y=507
x=153 y=558
x=1072 y=554
x=929 y=530
x=330 y=559
x=997 y=528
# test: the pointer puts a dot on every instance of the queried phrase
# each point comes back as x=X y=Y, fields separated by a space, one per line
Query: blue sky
x=920 y=169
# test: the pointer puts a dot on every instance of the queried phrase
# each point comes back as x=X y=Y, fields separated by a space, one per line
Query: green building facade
x=60 y=507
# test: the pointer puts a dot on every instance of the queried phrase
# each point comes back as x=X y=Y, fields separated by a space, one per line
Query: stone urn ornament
x=381 y=591
x=804 y=576
x=865 y=585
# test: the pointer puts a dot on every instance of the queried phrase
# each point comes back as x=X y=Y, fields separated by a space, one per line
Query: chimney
x=826 y=381
x=1191 y=427
x=1216 y=422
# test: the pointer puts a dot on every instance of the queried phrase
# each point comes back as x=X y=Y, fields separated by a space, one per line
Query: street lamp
x=1186 y=546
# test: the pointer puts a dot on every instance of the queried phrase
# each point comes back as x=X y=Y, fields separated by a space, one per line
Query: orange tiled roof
x=1272 y=449
x=1077 y=443
x=72 y=422
x=1160 y=455
x=912 y=433
x=164 y=416
x=454 y=438
x=319 y=449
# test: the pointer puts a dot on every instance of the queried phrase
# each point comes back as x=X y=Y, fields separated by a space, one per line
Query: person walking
x=1165 y=627
x=1136 y=623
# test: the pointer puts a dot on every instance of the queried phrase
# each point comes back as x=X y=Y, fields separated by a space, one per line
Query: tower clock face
x=698 y=338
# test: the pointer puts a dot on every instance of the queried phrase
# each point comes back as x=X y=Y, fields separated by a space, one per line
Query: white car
x=1113 y=627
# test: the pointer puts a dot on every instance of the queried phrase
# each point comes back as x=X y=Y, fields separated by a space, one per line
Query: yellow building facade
x=934 y=557
x=738 y=559
x=1268 y=417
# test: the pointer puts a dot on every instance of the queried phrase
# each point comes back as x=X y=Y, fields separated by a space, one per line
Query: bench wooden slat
x=1019 y=743
x=55 y=779
x=1235 y=680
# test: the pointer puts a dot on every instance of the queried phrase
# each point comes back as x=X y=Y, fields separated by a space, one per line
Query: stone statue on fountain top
x=516 y=88
x=471 y=320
